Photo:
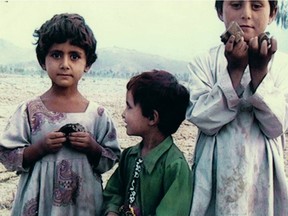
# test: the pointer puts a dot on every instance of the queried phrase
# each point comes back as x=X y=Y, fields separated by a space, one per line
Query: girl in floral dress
x=60 y=142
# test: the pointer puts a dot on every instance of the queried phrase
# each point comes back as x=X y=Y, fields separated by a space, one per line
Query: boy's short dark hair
x=219 y=6
x=65 y=27
x=159 y=90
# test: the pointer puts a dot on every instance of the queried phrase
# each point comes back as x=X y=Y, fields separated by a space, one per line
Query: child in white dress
x=239 y=102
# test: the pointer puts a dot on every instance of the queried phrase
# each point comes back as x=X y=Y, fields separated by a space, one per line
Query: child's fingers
x=264 y=48
x=55 y=135
x=253 y=44
x=230 y=43
x=79 y=137
x=273 y=45
x=241 y=45
x=79 y=134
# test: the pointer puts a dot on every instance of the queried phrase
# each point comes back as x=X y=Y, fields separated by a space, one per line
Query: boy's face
x=136 y=123
x=252 y=16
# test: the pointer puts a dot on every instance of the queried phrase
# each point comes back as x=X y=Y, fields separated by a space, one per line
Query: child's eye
x=56 y=55
x=74 y=56
x=235 y=4
x=128 y=106
x=256 y=5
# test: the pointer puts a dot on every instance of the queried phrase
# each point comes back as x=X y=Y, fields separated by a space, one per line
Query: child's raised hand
x=260 y=54
x=236 y=54
x=237 y=57
x=259 y=58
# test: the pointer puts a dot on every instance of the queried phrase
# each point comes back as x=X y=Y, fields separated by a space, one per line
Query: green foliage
x=282 y=16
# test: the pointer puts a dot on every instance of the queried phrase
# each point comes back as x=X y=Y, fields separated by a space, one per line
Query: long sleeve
x=106 y=136
x=114 y=193
x=214 y=103
x=178 y=190
x=15 y=137
x=213 y=100
x=270 y=100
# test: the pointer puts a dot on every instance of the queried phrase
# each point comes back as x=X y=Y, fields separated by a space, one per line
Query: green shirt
x=165 y=181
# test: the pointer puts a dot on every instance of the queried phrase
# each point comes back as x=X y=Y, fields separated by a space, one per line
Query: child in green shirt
x=153 y=177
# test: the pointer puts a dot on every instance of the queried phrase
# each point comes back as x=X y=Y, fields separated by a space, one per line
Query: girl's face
x=136 y=123
x=252 y=16
x=65 y=64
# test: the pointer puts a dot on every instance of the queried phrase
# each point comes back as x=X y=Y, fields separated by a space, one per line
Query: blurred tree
x=282 y=16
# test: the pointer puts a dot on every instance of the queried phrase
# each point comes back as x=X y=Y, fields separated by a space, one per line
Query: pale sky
x=170 y=28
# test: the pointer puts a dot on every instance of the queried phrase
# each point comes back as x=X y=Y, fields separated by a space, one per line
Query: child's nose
x=65 y=63
x=246 y=11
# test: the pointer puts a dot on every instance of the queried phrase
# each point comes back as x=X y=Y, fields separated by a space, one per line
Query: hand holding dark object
x=51 y=143
x=70 y=128
x=259 y=58
x=82 y=141
x=237 y=58
x=262 y=37
x=233 y=29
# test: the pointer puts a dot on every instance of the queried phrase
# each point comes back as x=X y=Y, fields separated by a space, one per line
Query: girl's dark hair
x=159 y=90
x=65 y=27
x=219 y=6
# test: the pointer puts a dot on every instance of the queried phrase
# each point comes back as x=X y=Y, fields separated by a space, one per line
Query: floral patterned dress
x=64 y=183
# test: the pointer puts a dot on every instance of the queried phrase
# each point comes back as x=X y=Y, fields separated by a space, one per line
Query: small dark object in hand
x=70 y=128
x=262 y=37
x=233 y=29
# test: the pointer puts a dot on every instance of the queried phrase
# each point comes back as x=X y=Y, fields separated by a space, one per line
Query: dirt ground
x=108 y=92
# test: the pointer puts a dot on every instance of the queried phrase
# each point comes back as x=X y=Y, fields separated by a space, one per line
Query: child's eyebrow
x=70 y=52
x=76 y=52
x=54 y=50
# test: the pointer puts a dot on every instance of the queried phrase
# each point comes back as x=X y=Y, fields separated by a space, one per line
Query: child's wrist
x=95 y=154
x=40 y=150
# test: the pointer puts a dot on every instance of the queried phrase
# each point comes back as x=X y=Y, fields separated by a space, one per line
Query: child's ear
x=273 y=15
x=154 y=118
x=220 y=15
x=43 y=67
x=87 y=68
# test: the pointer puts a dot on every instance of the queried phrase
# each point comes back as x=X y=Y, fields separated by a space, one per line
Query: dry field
x=108 y=92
